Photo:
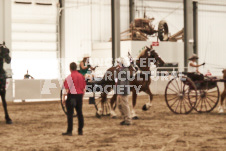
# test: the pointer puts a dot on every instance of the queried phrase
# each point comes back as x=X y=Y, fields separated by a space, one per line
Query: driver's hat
x=194 y=56
x=86 y=55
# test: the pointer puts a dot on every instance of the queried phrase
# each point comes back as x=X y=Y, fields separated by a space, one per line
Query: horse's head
x=4 y=53
x=149 y=56
x=224 y=73
x=158 y=60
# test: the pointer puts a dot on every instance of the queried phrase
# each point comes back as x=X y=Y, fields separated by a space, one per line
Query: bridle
x=134 y=66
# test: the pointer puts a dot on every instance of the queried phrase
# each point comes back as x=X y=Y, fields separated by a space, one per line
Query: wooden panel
x=37 y=89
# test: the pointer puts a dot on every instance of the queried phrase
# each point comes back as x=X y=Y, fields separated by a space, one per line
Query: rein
x=216 y=66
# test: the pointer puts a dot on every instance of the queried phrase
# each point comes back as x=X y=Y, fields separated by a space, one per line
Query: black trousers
x=74 y=101
x=195 y=76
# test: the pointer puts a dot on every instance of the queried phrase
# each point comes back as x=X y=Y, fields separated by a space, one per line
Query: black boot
x=67 y=133
x=125 y=123
x=80 y=132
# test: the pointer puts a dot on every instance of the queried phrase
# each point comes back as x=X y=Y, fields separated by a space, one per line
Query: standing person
x=28 y=76
x=85 y=66
x=74 y=86
x=123 y=90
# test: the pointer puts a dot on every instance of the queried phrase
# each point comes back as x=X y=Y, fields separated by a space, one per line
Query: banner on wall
x=155 y=43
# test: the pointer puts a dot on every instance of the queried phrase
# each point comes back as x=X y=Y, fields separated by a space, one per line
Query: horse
x=143 y=62
x=223 y=94
x=4 y=57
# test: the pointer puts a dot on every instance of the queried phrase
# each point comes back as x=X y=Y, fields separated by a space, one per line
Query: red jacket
x=75 y=82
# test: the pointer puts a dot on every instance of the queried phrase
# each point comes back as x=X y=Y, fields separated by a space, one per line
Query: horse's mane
x=142 y=53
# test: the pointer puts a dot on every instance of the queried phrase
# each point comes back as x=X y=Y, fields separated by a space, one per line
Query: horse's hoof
x=114 y=117
x=144 y=108
x=98 y=115
x=135 y=118
x=9 y=122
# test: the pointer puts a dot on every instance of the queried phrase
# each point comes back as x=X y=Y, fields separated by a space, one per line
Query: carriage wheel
x=103 y=109
x=163 y=31
x=177 y=95
x=62 y=105
x=207 y=99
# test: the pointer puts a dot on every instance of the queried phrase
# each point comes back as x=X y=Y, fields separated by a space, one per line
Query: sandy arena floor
x=38 y=126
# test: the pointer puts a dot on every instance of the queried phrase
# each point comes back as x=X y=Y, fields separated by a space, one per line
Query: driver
x=193 y=68
x=85 y=66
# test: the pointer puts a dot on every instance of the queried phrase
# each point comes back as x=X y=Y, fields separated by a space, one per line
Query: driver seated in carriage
x=85 y=66
x=193 y=69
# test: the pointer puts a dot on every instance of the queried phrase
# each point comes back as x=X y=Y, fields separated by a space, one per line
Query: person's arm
x=82 y=65
x=65 y=92
x=84 y=84
x=196 y=66
x=93 y=68
x=193 y=65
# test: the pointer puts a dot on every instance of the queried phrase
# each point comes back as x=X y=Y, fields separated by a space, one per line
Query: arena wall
x=43 y=90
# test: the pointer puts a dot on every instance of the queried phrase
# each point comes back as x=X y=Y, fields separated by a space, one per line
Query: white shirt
x=190 y=68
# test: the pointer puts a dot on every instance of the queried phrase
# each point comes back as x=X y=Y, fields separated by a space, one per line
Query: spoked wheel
x=207 y=99
x=177 y=95
x=62 y=105
x=163 y=31
x=103 y=109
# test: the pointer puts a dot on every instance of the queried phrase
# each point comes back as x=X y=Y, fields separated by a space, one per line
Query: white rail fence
x=40 y=89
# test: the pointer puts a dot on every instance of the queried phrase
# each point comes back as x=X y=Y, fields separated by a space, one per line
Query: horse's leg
x=223 y=95
x=103 y=99
x=113 y=101
x=100 y=110
x=7 y=118
x=221 y=108
x=149 y=104
x=134 y=99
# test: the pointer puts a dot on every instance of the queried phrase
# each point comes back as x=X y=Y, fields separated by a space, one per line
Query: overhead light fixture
x=43 y=3
x=17 y=2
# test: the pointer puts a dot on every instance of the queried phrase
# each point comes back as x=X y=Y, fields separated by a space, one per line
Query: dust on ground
x=38 y=126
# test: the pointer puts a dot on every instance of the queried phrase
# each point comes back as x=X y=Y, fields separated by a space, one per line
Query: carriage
x=184 y=94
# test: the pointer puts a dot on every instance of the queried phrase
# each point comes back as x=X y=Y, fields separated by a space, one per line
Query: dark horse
x=4 y=56
x=141 y=79
x=223 y=94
